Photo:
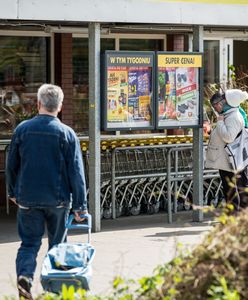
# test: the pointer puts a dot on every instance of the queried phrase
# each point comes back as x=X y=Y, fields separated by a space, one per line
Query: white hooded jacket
x=225 y=132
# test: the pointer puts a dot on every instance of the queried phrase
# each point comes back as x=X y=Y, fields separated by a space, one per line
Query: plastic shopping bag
x=67 y=256
x=238 y=151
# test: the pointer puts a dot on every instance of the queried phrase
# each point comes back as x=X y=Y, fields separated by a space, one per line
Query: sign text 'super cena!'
x=179 y=61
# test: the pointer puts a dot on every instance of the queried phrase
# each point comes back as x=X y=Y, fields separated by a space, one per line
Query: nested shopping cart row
x=150 y=195
x=150 y=178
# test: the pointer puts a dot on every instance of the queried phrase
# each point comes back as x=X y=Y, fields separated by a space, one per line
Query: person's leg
x=30 y=224
x=55 y=219
x=230 y=190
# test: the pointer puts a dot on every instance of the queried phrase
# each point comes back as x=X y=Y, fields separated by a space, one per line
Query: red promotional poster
x=178 y=90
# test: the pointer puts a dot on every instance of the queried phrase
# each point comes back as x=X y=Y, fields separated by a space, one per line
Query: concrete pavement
x=128 y=246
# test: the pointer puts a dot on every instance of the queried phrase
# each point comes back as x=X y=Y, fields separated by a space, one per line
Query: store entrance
x=240 y=57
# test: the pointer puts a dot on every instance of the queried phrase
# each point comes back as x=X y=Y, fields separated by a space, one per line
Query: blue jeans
x=31 y=227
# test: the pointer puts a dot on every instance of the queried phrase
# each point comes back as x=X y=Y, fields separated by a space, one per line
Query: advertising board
x=128 y=90
x=178 y=97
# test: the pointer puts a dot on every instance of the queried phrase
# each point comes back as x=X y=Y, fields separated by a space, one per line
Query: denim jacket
x=45 y=166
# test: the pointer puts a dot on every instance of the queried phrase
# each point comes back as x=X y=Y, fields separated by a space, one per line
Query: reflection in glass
x=81 y=81
x=211 y=62
x=80 y=84
x=23 y=68
x=141 y=45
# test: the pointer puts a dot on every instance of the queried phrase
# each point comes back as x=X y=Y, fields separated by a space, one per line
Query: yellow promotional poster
x=179 y=61
x=129 y=97
x=117 y=95
x=129 y=92
x=144 y=107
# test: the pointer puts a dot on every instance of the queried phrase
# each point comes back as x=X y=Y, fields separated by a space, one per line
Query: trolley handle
x=70 y=225
x=86 y=226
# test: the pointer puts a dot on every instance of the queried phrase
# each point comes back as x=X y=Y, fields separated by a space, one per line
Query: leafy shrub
x=216 y=269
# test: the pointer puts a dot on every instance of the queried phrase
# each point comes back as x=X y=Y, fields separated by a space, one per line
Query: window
x=211 y=61
x=23 y=68
x=81 y=73
x=141 y=45
x=81 y=81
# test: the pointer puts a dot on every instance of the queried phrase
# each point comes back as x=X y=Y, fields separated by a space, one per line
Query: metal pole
x=169 y=187
x=94 y=126
x=175 y=203
x=198 y=136
x=113 y=184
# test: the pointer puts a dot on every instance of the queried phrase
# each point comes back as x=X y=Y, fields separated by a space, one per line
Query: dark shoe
x=24 y=285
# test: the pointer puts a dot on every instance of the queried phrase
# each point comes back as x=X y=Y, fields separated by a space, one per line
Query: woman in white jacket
x=230 y=122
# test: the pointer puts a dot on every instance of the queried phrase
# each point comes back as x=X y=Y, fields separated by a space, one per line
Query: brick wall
x=178 y=42
x=63 y=73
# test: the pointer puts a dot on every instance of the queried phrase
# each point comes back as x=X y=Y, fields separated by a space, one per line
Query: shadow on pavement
x=8 y=231
x=177 y=233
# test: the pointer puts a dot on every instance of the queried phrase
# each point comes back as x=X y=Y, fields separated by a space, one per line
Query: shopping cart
x=69 y=263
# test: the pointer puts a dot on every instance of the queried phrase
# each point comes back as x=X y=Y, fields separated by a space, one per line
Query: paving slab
x=128 y=246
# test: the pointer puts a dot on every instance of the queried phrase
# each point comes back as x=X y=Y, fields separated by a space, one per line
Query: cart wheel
x=135 y=210
x=127 y=211
x=118 y=211
x=213 y=202
x=151 y=209
x=107 y=213
x=156 y=207
x=180 y=205
x=163 y=202
x=187 y=205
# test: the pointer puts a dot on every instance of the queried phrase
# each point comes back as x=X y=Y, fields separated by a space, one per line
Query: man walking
x=46 y=179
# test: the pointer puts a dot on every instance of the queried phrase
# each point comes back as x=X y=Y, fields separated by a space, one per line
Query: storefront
x=28 y=59
x=49 y=42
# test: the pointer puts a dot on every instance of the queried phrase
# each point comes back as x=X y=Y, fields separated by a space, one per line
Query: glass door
x=211 y=61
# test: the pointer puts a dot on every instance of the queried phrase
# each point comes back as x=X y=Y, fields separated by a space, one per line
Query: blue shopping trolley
x=69 y=263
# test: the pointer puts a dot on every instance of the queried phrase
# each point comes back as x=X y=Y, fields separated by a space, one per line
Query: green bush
x=216 y=269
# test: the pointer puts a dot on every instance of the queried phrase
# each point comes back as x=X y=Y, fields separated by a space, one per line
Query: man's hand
x=78 y=213
x=220 y=118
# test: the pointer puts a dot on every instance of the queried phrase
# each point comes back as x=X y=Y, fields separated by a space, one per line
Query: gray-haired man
x=45 y=179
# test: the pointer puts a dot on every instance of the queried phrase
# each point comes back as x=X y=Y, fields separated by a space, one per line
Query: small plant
x=220 y=291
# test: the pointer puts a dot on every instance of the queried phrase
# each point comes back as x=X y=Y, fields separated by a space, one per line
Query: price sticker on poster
x=128 y=90
x=178 y=96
